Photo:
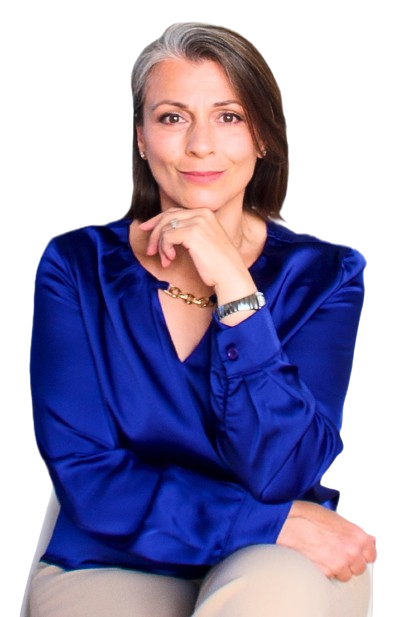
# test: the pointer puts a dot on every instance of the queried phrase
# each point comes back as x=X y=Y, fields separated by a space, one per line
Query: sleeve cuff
x=256 y=523
x=249 y=345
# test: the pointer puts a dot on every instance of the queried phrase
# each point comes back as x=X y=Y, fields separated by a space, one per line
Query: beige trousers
x=258 y=581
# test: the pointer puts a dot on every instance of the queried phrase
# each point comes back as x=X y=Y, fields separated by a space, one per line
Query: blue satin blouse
x=168 y=466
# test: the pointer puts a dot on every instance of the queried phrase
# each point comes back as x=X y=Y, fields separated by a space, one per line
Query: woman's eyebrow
x=225 y=103
x=184 y=106
x=169 y=102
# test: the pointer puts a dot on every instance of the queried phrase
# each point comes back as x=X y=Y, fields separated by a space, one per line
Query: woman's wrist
x=237 y=310
x=252 y=302
x=299 y=509
x=232 y=288
x=234 y=285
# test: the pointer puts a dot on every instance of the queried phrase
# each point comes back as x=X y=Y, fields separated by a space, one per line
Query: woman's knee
x=265 y=581
x=271 y=564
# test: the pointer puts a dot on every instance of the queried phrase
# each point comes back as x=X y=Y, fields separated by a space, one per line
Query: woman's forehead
x=179 y=77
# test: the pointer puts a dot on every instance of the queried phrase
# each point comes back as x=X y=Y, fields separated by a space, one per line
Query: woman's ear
x=140 y=139
x=260 y=146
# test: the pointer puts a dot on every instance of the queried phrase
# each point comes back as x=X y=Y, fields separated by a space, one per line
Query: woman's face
x=196 y=136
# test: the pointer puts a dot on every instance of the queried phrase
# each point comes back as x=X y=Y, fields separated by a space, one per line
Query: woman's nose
x=200 y=139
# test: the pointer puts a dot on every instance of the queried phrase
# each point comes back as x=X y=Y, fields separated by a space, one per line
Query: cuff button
x=232 y=352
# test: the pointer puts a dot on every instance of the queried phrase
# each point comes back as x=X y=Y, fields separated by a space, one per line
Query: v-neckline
x=162 y=319
x=158 y=285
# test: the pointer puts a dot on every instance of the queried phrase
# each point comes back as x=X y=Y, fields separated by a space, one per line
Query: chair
x=44 y=537
x=48 y=524
x=370 y=609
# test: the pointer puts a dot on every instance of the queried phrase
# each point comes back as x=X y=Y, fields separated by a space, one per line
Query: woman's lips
x=202 y=177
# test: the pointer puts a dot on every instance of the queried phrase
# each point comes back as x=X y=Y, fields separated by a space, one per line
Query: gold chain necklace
x=188 y=298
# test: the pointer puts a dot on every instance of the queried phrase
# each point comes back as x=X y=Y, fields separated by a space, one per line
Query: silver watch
x=253 y=302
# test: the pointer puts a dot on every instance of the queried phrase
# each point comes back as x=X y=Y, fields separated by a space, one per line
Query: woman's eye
x=171 y=118
x=231 y=117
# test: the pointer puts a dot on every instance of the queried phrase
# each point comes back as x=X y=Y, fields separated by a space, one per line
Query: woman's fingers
x=169 y=229
x=369 y=550
x=201 y=234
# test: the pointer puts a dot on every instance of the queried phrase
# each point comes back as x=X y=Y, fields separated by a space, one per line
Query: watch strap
x=253 y=302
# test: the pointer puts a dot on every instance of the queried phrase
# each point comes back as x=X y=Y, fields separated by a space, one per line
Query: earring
x=142 y=155
x=264 y=153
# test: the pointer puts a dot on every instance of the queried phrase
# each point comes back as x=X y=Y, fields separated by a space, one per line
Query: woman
x=189 y=366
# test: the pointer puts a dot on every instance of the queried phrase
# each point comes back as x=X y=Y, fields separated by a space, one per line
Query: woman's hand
x=214 y=255
x=339 y=548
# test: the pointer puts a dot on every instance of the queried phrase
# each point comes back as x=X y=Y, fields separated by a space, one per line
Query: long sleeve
x=278 y=403
x=148 y=514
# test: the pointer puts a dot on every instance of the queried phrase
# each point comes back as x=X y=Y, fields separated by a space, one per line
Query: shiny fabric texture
x=168 y=466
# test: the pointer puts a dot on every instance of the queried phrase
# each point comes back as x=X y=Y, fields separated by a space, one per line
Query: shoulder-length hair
x=254 y=83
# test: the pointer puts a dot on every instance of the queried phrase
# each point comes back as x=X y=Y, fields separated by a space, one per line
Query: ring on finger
x=174 y=223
